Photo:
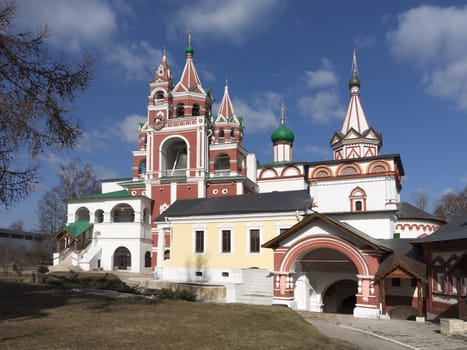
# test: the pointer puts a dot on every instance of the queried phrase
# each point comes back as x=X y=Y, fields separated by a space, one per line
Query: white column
x=160 y=253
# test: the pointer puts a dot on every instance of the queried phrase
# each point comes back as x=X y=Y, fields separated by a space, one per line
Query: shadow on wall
x=196 y=269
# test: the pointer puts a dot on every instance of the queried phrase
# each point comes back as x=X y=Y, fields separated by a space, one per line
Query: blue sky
x=412 y=60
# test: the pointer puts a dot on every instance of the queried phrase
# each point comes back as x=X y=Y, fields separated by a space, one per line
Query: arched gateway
x=322 y=265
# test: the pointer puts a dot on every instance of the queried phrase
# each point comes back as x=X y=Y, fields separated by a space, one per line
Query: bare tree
x=37 y=91
x=451 y=203
x=75 y=180
x=421 y=199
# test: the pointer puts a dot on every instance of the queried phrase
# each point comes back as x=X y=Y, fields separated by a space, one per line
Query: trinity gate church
x=329 y=235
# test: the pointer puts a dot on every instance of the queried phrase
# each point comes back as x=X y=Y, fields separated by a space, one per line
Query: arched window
x=221 y=135
x=378 y=167
x=123 y=213
x=159 y=95
x=349 y=170
x=142 y=168
x=174 y=157
x=147 y=259
x=222 y=164
x=357 y=199
x=146 y=216
x=82 y=214
x=195 y=110
x=99 y=216
x=180 y=110
x=232 y=134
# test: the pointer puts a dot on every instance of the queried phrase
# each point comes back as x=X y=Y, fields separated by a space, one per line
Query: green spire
x=354 y=80
x=189 y=50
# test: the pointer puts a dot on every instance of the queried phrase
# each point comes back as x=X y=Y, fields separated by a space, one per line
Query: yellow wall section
x=182 y=248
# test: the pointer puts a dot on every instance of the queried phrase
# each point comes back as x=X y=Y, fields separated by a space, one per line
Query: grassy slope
x=44 y=320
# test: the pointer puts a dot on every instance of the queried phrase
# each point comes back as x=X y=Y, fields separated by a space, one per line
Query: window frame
x=196 y=240
x=250 y=241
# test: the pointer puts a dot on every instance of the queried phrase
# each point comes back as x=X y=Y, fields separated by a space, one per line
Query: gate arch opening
x=340 y=297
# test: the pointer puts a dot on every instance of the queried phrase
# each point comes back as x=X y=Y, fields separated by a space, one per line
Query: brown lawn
x=36 y=317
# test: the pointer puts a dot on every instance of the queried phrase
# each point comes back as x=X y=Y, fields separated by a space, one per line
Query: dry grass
x=33 y=317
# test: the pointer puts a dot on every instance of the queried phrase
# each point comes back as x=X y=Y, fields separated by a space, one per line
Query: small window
x=195 y=110
x=396 y=282
x=358 y=206
x=221 y=135
x=440 y=282
x=225 y=274
x=379 y=169
x=199 y=242
x=322 y=173
x=180 y=110
x=254 y=241
x=99 y=216
x=226 y=241
x=349 y=171
x=159 y=95
x=147 y=259
x=413 y=282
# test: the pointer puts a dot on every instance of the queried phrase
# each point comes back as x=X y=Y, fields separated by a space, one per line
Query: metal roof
x=242 y=204
x=455 y=229
x=409 y=211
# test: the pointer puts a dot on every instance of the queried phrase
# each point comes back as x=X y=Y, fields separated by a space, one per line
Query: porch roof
x=405 y=257
x=74 y=230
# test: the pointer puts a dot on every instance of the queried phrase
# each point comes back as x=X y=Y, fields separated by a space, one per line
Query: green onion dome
x=282 y=134
x=189 y=50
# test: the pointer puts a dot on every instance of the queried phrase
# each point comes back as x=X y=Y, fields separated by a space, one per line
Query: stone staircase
x=257 y=287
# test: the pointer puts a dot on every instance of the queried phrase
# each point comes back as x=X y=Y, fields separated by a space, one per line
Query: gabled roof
x=352 y=231
x=408 y=211
x=455 y=229
x=73 y=230
x=274 y=202
x=404 y=257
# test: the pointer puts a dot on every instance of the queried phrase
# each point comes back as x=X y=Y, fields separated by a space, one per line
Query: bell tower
x=179 y=119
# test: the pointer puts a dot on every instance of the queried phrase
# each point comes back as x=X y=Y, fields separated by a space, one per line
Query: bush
x=180 y=294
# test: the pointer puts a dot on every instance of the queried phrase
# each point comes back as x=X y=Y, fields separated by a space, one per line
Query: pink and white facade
x=329 y=260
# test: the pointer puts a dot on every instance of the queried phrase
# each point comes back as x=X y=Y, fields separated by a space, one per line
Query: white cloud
x=137 y=60
x=322 y=103
x=435 y=40
x=234 y=19
x=323 y=77
x=72 y=24
x=101 y=172
x=261 y=113
x=124 y=131
x=362 y=40
x=321 y=107
x=128 y=128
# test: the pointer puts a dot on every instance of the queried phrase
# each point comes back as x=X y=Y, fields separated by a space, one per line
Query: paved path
x=404 y=334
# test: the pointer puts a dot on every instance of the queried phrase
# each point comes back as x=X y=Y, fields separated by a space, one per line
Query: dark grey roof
x=404 y=253
x=241 y=204
x=409 y=211
x=455 y=229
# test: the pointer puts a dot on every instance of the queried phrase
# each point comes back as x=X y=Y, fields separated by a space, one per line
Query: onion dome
x=189 y=50
x=282 y=133
x=354 y=80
